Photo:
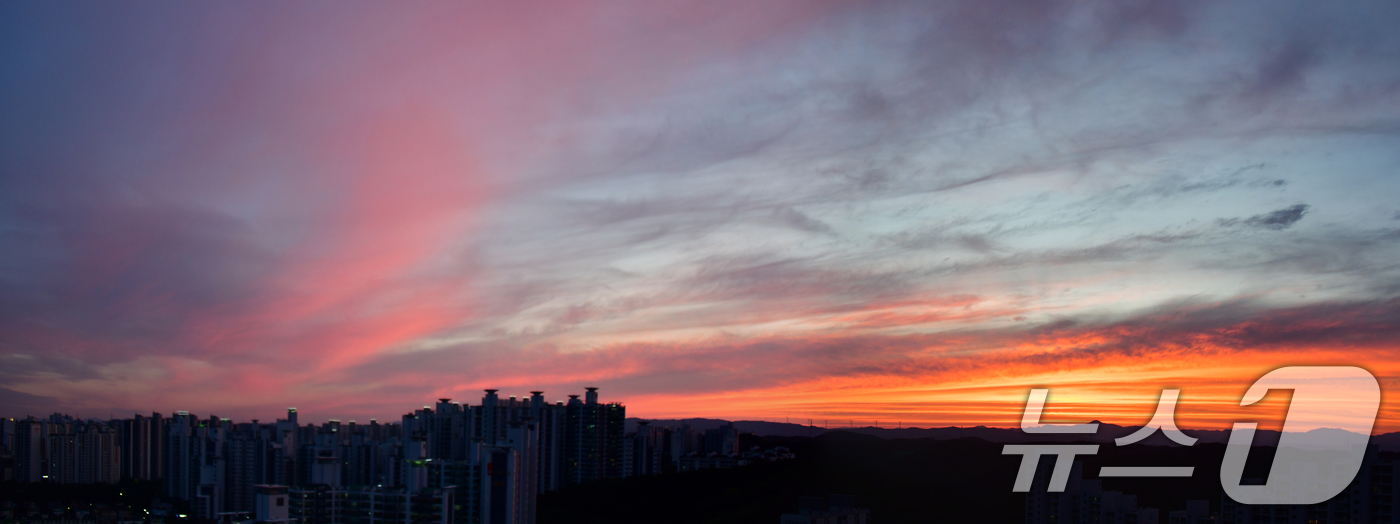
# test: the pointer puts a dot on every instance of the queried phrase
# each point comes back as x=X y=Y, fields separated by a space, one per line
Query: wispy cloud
x=689 y=203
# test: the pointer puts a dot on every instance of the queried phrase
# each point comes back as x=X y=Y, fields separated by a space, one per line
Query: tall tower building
x=491 y=430
x=182 y=467
x=594 y=445
x=28 y=442
x=156 y=452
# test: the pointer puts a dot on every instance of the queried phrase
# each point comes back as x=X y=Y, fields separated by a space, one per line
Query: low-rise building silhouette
x=1083 y=501
x=836 y=509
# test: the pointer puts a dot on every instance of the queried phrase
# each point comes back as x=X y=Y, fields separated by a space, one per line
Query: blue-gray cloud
x=1281 y=219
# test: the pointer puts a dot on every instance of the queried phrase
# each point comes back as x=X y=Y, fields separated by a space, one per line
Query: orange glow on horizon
x=1123 y=392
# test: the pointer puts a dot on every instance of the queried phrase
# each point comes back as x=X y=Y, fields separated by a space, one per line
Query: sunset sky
x=851 y=212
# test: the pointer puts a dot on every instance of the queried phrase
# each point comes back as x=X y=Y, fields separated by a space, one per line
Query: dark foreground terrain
x=899 y=480
x=965 y=480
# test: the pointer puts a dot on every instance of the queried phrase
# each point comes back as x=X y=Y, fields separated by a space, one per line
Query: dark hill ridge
x=1106 y=433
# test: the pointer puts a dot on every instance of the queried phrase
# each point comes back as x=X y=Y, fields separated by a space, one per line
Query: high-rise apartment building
x=28 y=449
x=83 y=453
x=444 y=463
